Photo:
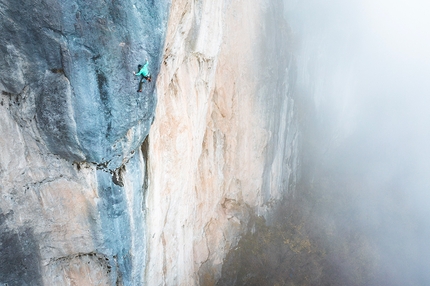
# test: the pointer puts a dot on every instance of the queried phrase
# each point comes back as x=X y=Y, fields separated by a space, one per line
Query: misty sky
x=366 y=65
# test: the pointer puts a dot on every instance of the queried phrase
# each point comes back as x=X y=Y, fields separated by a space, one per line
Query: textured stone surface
x=64 y=223
x=222 y=146
x=224 y=141
x=76 y=59
x=71 y=168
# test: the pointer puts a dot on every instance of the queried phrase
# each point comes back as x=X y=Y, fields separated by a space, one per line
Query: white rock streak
x=209 y=142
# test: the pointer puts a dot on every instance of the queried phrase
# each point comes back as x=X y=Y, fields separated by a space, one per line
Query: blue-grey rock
x=19 y=255
x=69 y=66
x=122 y=220
x=77 y=58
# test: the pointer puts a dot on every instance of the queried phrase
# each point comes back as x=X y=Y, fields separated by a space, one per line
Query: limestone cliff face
x=71 y=167
x=78 y=204
x=86 y=53
x=223 y=144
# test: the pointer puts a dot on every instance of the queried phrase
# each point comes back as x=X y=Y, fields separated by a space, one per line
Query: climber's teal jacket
x=144 y=70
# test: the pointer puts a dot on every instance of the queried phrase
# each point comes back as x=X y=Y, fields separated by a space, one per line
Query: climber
x=144 y=73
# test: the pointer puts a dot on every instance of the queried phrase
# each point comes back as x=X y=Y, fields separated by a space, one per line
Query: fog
x=365 y=68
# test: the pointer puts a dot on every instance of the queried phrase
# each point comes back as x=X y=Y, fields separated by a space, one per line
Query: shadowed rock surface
x=75 y=60
x=71 y=168
x=19 y=259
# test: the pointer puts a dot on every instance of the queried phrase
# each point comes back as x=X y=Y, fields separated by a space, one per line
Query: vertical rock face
x=71 y=168
x=75 y=60
x=223 y=145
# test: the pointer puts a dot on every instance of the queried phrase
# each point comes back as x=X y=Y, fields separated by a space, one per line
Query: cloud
x=366 y=64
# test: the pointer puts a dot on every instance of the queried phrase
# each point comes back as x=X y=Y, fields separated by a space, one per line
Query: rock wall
x=79 y=204
x=86 y=53
x=223 y=145
x=72 y=123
